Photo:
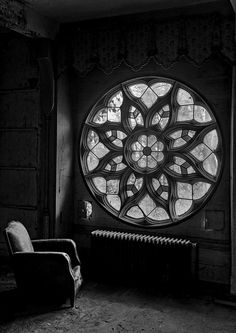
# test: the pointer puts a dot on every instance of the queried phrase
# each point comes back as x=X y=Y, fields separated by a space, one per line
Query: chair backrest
x=17 y=237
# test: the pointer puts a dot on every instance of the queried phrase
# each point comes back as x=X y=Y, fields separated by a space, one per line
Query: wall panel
x=19 y=148
x=20 y=135
x=19 y=108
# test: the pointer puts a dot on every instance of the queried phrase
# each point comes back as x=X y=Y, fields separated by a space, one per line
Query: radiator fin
x=125 y=257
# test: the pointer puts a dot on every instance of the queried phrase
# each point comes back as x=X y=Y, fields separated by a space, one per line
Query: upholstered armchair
x=45 y=268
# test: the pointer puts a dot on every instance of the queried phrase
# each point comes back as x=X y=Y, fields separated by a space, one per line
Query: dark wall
x=211 y=226
x=22 y=151
x=20 y=134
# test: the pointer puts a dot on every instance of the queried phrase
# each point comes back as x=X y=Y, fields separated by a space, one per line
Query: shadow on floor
x=14 y=305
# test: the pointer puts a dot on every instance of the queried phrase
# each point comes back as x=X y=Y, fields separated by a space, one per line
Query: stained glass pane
x=161 y=88
x=151 y=140
x=100 y=117
x=139 y=119
x=201 y=115
x=137 y=89
x=116 y=137
x=121 y=135
x=184 y=97
x=151 y=162
x=143 y=140
x=190 y=170
x=184 y=190
x=147 y=204
x=92 y=139
x=175 y=168
x=136 y=156
x=142 y=162
x=176 y=134
x=161 y=186
x=109 y=134
x=121 y=166
x=155 y=183
x=100 y=184
x=134 y=185
x=116 y=164
x=116 y=100
x=179 y=143
x=161 y=117
x=164 y=195
x=211 y=164
x=159 y=214
x=158 y=146
x=158 y=156
x=118 y=159
x=132 y=123
x=163 y=122
x=92 y=161
x=135 y=117
x=113 y=186
x=166 y=108
x=182 y=206
x=139 y=183
x=163 y=180
x=136 y=146
x=149 y=98
x=178 y=160
x=131 y=179
x=114 y=201
x=200 y=189
x=114 y=115
x=191 y=133
x=201 y=152
x=100 y=150
x=211 y=140
x=118 y=143
x=156 y=119
x=135 y=212
x=185 y=113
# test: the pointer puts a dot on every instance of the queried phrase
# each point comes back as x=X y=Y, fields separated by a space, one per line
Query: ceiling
x=77 y=10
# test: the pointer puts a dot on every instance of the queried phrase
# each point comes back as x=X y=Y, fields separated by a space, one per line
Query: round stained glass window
x=151 y=151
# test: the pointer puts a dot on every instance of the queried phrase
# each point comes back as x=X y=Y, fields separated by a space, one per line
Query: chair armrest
x=42 y=265
x=59 y=245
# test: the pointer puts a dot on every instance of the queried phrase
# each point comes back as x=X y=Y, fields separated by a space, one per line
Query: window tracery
x=151 y=151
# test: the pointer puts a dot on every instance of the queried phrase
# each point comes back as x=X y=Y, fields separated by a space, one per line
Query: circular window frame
x=198 y=100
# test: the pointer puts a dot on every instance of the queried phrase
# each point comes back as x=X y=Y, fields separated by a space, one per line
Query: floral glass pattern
x=151 y=151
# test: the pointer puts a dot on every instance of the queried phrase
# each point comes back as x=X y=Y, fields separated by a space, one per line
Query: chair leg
x=72 y=297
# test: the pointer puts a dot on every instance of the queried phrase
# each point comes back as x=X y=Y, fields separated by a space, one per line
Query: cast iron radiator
x=124 y=256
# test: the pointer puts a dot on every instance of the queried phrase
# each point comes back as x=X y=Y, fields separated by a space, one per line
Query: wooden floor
x=113 y=308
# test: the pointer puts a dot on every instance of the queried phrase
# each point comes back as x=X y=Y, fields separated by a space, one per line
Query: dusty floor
x=102 y=308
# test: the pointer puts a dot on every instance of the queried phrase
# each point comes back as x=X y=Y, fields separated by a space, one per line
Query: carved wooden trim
x=108 y=44
x=16 y=15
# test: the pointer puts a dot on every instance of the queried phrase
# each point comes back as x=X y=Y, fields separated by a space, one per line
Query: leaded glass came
x=151 y=151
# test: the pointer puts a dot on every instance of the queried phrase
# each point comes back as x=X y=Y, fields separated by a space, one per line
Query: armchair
x=46 y=267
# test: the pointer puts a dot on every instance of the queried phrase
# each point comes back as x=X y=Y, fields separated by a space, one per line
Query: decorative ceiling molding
x=16 y=16
x=65 y=11
x=12 y=14
x=106 y=45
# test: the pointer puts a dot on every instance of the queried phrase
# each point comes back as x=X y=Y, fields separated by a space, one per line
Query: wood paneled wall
x=20 y=134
